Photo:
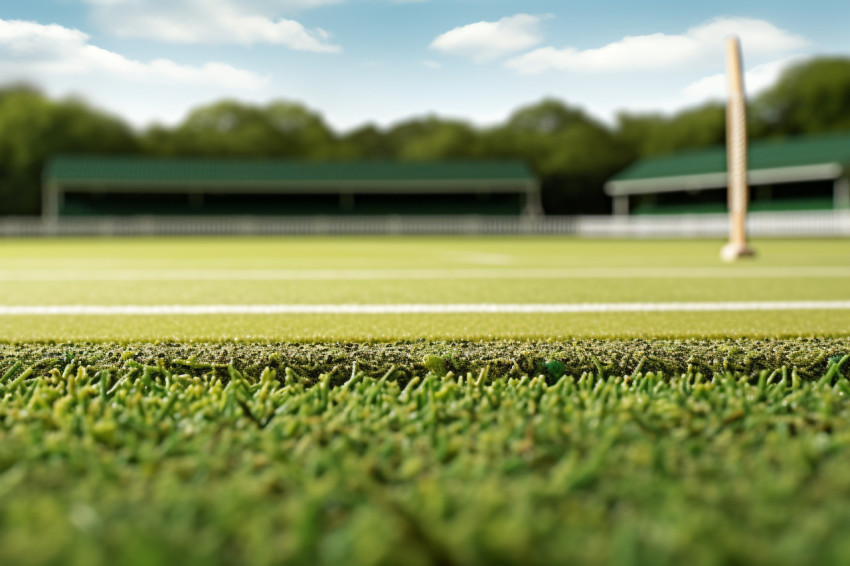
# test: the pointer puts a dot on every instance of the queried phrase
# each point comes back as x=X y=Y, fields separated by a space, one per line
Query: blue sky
x=381 y=61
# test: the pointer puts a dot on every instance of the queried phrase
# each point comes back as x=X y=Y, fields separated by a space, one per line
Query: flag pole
x=736 y=155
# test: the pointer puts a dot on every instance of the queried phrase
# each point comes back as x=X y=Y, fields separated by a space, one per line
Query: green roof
x=105 y=170
x=762 y=154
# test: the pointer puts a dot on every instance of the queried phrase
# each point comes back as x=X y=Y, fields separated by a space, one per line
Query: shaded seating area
x=131 y=186
x=802 y=173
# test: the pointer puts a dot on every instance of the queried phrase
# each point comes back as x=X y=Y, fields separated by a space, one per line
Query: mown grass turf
x=390 y=270
x=361 y=450
x=273 y=328
x=135 y=457
x=501 y=358
x=399 y=252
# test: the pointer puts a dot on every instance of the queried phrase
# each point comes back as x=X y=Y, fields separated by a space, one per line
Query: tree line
x=572 y=153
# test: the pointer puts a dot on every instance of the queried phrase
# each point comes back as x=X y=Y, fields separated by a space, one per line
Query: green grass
x=273 y=328
x=49 y=272
x=321 y=440
x=112 y=456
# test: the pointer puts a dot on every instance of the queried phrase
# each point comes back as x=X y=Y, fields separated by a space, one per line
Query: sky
x=384 y=61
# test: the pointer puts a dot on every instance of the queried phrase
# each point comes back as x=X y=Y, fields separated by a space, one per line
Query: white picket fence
x=820 y=223
x=827 y=223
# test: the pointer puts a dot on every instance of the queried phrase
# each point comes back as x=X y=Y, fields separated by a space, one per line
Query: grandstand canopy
x=80 y=185
x=771 y=162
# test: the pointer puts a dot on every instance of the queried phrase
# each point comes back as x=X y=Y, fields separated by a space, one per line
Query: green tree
x=232 y=128
x=367 y=142
x=655 y=134
x=32 y=128
x=572 y=154
x=434 y=139
x=810 y=97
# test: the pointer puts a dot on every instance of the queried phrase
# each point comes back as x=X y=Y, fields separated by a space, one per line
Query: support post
x=841 y=193
x=50 y=202
x=621 y=205
x=532 y=207
x=736 y=155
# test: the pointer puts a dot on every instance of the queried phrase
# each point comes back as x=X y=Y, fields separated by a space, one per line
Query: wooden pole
x=736 y=155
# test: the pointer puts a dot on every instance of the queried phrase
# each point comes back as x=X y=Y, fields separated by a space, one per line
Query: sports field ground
x=423 y=401
x=416 y=287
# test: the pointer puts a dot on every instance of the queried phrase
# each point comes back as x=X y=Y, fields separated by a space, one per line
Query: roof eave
x=697 y=182
x=376 y=186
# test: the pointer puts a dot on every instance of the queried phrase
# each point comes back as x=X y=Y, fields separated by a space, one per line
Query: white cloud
x=663 y=51
x=243 y=22
x=483 y=41
x=32 y=50
x=432 y=65
x=63 y=61
x=757 y=79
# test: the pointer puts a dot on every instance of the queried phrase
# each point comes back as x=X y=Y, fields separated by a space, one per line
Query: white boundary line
x=26 y=275
x=481 y=308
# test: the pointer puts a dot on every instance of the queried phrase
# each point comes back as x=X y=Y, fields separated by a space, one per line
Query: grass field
x=345 y=431
x=431 y=271
x=116 y=461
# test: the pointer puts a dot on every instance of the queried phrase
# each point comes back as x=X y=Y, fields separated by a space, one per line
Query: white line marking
x=56 y=275
x=482 y=308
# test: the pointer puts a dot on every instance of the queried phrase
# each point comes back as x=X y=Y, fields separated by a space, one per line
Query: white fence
x=820 y=223
x=827 y=223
